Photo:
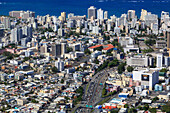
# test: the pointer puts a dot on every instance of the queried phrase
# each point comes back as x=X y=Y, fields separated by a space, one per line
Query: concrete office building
x=147 y=77
x=92 y=12
x=138 y=60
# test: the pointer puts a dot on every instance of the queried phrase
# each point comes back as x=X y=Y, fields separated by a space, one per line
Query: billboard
x=145 y=77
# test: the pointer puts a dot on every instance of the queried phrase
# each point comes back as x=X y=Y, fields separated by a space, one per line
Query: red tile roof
x=109 y=46
x=96 y=46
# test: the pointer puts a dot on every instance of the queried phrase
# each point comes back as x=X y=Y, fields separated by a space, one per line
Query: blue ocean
x=79 y=7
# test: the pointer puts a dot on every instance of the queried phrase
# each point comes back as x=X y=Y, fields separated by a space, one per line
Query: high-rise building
x=56 y=50
x=105 y=15
x=63 y=48
x=143 y=14
x=92 y=12
x=16 y=35
x=61 y=32
x=131 y=14
x=167 y=61
x=6 y=23
x=60 y=65
x=159 y=61
x=151 y=19
x=27 y=31
x=22 y=14
x=168 y=40
x=108 y=25
x=70 y=15
x=44 y=49
x=100 y=14
x=165 y=17
x=63 y=14
x=1 y=32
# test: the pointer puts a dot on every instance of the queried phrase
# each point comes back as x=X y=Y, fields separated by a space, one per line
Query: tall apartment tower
x=63 y=48
x=61 y=32
x=168 y=40
x=56 y=50
x=63 y=14
x=131 y=14
x=27 y=31
x=92 y=12
x=143 y=14
x=6 y=23
x=59 y=64
x=16 y=35
x=106 y=15
x=100 y=14
x=159 y=61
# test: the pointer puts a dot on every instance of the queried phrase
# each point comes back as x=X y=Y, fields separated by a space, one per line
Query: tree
x=164 y=70
x=150 y=42
x=26 y=59
x=152 y=110
x=129 y=69
x=166 y=108
x=146 y=107
x=87 y=51
x=54 y=69
x=96 y=61
x=62 y=81
x=121 y=68
x=126 y=106
x=115 y=62
x=8 y=55
x=132 y=110
x=69 y=49
x=99 y=48
x=155 y=99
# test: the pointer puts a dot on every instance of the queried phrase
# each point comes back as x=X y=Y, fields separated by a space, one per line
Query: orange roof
x=96 y=46
x=110 y=46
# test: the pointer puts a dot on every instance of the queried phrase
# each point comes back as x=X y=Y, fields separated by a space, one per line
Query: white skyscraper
x=60 y=65
x=100 y=14
x=105 y=15
x=92 y=12
x=131 y=14
x=6 y=23
x=159 y=60
x=27 y=31
x=143 y=14
x=61 y=32
x=108 y=25
x=16 y=35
